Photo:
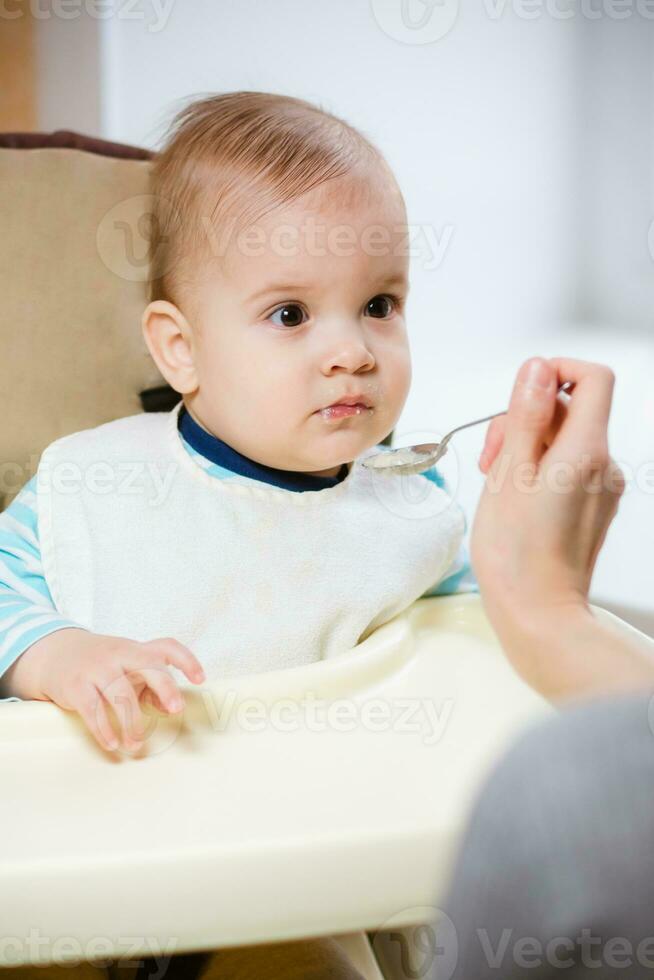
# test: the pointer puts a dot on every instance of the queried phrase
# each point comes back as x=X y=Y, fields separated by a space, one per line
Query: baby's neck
x=217 y=451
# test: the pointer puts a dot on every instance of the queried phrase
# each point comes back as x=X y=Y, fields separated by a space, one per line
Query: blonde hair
x=233 y=157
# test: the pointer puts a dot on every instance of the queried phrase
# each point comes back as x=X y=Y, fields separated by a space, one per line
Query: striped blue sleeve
x=27 y=612
x=459 y=576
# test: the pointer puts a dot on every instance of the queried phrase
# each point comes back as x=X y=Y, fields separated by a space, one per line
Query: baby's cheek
x=403 y=377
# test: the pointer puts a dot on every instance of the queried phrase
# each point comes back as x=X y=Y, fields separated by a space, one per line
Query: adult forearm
x=572 y=651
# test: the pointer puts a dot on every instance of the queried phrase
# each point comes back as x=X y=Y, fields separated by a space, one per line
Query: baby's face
x=302 y=314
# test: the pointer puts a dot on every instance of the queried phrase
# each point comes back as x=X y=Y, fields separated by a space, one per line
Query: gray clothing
x=556 y=872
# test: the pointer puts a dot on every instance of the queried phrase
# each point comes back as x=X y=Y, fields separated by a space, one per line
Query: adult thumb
x=531 y=410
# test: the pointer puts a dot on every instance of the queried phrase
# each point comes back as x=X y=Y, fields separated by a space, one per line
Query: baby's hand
x=88 y=672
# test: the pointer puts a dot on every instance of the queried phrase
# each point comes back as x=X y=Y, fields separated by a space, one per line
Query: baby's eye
x=289 y=314
x=381 y=306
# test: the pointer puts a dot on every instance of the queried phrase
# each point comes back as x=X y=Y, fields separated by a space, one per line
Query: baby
x=238 y=532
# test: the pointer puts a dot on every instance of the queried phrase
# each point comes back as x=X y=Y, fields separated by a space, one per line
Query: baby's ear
x=168 y=335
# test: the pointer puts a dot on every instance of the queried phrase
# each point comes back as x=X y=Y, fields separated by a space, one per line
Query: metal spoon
x=415 y=459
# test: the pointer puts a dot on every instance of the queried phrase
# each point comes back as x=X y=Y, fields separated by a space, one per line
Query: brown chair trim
x=67 y=139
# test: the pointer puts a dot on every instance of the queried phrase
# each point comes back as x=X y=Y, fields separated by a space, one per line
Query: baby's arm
x=27 y=612
x=46 y=657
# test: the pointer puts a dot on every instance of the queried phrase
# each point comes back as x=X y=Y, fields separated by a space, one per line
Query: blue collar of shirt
x=217 y=451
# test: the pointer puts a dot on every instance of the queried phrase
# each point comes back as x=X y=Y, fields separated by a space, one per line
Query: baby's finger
x=119 y=693
x=162 y=686
x=149 y=697
x=92 y=709
x=177 y=655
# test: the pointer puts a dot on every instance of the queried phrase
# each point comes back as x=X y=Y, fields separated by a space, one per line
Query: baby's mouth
x=341 y=411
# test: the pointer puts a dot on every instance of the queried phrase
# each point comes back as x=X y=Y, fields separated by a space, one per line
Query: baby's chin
x=333 y=471
x=327 y=461
x=339 y=437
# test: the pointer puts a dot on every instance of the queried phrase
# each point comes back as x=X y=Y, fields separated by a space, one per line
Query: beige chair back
x=73 y=271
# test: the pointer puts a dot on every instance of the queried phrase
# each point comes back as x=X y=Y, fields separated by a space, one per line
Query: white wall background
x=524 y=135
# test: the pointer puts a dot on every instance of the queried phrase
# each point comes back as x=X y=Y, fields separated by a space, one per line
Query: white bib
x=137 y=540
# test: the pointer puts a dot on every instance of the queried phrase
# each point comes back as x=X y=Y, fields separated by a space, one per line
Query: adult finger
x=495 y=435
x=492 y=443
x=531 y=411
x=589 y=407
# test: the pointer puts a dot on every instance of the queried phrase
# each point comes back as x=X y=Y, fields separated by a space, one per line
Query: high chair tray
x=317 y=800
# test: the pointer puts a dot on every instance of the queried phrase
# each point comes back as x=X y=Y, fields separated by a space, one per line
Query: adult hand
x=551 y=493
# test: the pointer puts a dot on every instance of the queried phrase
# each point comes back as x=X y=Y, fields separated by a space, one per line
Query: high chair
x=218 y=833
